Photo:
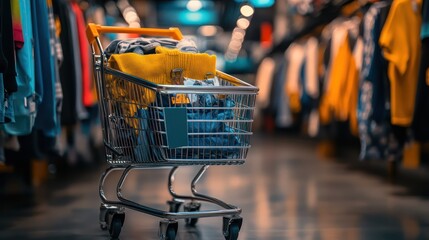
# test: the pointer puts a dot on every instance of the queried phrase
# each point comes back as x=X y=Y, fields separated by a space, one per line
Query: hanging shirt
x=84 y=56
x=56 y=49
x=2 y=109
x=8 y=48
x=8 y=63
x=312 y=83
x=341 y=96
x=68 y=74
x=373 y=115
x=3 y=59
x=277 y=81
x=311 y=70
x=421 y=113
x=264 y=78
x=17 y=25
x=424 y=32
x=295 y=55
x=332 y=35
x=400 y=41
x=46 y=119
x=80 y=108
x=284 y=116
x=24 y=100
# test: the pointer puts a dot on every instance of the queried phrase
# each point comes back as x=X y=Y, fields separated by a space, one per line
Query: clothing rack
x=351 y=11
x=326 y=15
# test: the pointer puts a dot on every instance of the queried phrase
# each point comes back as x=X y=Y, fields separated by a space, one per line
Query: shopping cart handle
x=94 y=30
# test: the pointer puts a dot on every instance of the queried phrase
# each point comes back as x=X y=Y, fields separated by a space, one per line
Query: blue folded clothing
x=200 y=121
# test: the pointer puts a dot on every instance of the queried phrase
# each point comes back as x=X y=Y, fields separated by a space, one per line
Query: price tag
x=180 y=99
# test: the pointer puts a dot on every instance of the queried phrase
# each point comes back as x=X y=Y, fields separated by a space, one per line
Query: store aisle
x=285 y=191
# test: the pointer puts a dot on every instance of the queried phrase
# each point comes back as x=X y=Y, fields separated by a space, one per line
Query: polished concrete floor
x=284 y=189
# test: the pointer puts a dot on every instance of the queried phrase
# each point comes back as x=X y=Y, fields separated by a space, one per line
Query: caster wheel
x=103 y=216
x=168 y=230
x=192 y=207
x=231 y=227
x=171 y=234
x=116 y=223
x=103 y=226
x=233 y=231
x=174 y=205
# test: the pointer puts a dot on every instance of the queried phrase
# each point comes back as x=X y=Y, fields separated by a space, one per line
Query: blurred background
x=340 y=137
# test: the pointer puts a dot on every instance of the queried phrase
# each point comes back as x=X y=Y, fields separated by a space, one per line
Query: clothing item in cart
x=194 y=98
x=145 y=46
x=156 y=68
x=145 y=147
x=152 y=136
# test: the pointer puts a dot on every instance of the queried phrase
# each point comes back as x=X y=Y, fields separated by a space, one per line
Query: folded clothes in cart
x=145 y=46
x=201 y=122
x=208 y=134
x=156 y=68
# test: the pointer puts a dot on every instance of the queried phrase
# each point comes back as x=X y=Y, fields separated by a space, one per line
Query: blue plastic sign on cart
x=176 y=127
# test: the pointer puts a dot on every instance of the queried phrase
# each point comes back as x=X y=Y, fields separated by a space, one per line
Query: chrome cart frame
x=137 y=133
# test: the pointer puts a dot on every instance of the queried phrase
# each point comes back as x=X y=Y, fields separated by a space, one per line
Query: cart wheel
x=102 y=216
x=116 y=224
x=174 y=205
x=233 y=231
x=103 y=226
x=168 y=230
x=231 y=227
x=192 y=207
x=171 y=234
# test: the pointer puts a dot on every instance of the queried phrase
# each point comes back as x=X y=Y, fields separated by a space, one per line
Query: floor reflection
x=285 y=192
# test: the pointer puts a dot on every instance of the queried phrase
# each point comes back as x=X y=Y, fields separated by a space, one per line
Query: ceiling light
x=128 y=9
x=234 y=45
x=208 y=31
x=243 y=23
x=247 y=10
x=194 y=5
x=239 y=31
x=122 y=4
x=131 y=17
x=134 y=25
x=238 y=35
x=262 y=3
x=230 y=56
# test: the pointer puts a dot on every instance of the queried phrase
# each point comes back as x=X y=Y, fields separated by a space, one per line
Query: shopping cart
x=147 y=126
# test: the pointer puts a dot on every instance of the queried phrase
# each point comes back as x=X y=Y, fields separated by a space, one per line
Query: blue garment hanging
x=2 y=109
x=46 y=119
x=373 y=116
x=24 y=100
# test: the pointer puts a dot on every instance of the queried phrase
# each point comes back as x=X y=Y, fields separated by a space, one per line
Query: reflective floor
x=285 y=190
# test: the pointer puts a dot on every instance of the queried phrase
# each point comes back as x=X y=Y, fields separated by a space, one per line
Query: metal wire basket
x=172 y=124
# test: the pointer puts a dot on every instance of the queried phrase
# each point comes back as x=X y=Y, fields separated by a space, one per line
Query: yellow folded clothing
x=154 y=68
x=157 y=67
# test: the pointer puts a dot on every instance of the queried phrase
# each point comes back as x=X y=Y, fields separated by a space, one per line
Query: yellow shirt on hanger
x=342 y=94
x=400 y=41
